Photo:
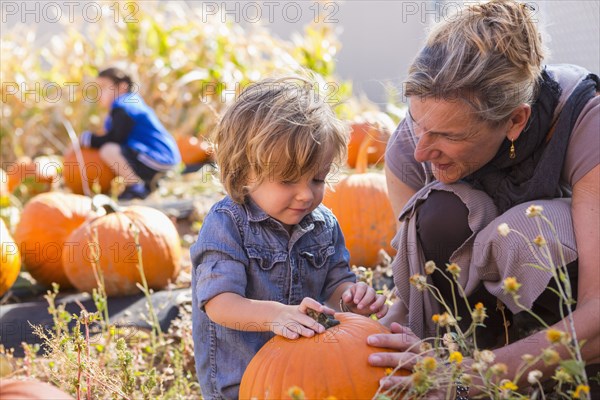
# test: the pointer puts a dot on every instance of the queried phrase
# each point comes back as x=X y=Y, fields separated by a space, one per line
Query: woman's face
x=451 y=138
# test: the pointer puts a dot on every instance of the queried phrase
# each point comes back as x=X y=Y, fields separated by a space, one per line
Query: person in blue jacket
x=135 y=145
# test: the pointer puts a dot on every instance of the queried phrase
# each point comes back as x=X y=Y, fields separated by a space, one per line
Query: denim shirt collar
x=257 y=214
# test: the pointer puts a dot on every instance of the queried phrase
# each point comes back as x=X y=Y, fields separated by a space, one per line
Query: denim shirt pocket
x=317 y=256
x=266 y=273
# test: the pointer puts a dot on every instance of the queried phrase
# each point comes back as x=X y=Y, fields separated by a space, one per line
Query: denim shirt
x=242 y=250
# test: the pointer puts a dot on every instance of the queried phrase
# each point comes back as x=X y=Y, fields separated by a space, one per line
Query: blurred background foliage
x=188 y=70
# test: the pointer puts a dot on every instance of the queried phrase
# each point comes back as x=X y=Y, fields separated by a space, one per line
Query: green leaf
x=573 y=367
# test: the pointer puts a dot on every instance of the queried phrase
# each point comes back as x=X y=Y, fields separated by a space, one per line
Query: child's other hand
x=362 y=299
x=292 y=321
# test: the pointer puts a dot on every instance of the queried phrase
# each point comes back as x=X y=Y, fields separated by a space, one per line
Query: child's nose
x=305 y=193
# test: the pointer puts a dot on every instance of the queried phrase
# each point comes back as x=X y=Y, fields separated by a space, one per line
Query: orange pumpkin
x=194 y=150
x=30 y=390
x=95 y=169
x=46 y=222
x=333 y=363
x=38 y=174
x=378 y=127
x=361 y=205
x=11 y=260
x=113 y=246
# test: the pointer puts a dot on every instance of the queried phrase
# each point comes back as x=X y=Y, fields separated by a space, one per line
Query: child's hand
x=292 y=321
x=362 y=299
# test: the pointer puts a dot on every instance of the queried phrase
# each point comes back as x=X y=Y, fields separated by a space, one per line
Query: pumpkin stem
x=324 y=319
x=362 y=159
x=101 y=201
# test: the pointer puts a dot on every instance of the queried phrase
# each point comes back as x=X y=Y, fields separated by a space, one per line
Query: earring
x=512 y=153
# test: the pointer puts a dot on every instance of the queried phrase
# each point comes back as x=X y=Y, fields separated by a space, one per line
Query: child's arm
x=122 y=124
x=236 y=312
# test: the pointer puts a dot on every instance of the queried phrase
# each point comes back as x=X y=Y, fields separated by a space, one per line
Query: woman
x=489 y=132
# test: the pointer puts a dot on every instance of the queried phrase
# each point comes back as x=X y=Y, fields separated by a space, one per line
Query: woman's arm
x=398 y=192
x=236 y=312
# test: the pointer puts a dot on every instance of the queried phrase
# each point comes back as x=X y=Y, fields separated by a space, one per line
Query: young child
x=136 y=145
x=270 y=250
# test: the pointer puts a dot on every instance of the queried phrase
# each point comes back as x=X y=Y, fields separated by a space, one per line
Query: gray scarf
x=535 y=172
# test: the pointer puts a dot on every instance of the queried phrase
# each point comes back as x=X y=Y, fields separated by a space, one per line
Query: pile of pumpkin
x=62 y=238
x=41 y=174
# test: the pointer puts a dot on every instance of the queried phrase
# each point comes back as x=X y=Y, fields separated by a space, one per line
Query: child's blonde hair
x=278 y=128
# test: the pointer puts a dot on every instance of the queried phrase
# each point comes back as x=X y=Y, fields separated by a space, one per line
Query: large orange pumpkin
x=30 y=390
x=95 y=169
x=361 y=205
x=11 y=260
x=46 y=222
x=194 y=150
x=376 y=126
x=334 y=363
x=116 y=252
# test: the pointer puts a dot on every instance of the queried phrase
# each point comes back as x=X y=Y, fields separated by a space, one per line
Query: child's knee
x=110 y=152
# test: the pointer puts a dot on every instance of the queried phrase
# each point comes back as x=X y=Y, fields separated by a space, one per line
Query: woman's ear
x=518 y=121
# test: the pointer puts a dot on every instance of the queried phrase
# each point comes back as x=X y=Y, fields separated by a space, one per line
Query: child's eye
x=319 y=180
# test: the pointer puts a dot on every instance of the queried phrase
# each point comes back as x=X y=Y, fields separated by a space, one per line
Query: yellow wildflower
x=389 y=371
x=454 y=269
x=534 y=211
x=550 y=356
x=478 y=314
x=499 y=369
x=508 y=385
x=429 y=267
x=446 y=320
x=435 y=318
x=485 y=356
x=510 y=285
x=527 y=358
x=418 y=378
x=296 y=393
x=561 y=375
x=581 y=389
x=554 y=335
x=418 y=281
x=455 y=357
x=424 y=347
x=539 y=241
x=429 y=364
x=503 y=229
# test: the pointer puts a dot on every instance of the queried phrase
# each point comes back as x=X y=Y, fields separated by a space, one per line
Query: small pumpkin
x=375 y=125
x=46 y=222
x=194 y=150
x=110 y=241
x=361 y=205
x=333 y=363
x=30 y=390
x=95 y=169
x=38 y=174
x=11 y=259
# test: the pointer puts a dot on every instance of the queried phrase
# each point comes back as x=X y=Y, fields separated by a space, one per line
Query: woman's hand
x=292 y=321
x=361 y=298
x=406 y=343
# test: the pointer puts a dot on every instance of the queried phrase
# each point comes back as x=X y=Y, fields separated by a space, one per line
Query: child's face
x=109 y=91
x=289 y=202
